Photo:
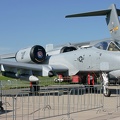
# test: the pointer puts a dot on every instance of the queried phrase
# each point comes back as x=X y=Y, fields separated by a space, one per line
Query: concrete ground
x=110 y=111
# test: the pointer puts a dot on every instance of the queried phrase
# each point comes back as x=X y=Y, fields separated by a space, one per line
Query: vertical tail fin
x=113 y=21
x=111 y=18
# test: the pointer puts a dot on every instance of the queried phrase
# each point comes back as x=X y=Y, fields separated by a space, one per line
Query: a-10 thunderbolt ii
x=100 y=57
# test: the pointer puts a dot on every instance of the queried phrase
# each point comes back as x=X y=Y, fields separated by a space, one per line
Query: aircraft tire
x=1 y=108
x=56 y=80
x=108 y=93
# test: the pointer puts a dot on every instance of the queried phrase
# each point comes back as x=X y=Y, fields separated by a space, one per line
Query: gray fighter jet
x=98 y=58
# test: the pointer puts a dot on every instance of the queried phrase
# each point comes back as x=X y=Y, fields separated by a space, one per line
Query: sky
x=25 y=23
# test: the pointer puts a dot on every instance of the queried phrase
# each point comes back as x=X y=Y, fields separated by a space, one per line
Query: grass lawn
x=7 y=82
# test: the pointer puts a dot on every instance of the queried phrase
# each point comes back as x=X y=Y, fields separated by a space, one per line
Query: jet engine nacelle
x=35 y=54
x=67 y=49
x=59 y=50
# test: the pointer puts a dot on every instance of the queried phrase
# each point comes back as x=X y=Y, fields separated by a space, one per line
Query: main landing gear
x=106 y=90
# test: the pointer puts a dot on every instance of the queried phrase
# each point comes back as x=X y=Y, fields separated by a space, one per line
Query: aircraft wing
x=7 y=56
x=34 y=69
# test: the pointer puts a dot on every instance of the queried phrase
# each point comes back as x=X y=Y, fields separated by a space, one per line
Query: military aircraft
x=93 y=58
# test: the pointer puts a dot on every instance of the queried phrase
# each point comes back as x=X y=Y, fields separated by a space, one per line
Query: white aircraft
x=101 y=58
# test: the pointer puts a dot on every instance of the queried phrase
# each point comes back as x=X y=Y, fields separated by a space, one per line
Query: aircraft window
x=113 y=47
x=102 y=45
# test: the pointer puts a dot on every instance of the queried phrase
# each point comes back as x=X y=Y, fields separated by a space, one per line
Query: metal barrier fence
x=49 y=102
x=118 y=97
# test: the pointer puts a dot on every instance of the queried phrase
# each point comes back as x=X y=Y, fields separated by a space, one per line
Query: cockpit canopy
x=108 y=45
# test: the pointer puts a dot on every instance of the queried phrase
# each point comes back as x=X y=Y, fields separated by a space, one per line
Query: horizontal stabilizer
x=86 y=14
x=94 y=13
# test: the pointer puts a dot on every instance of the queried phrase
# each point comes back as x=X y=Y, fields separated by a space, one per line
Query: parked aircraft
x=87 y=60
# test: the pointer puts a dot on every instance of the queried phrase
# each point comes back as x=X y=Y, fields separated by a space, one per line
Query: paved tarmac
x=110 y=111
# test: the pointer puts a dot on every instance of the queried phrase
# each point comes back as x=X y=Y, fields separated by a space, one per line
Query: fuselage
x=87 y=59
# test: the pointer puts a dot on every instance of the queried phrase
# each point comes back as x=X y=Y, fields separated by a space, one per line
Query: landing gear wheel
x=1 y=109
x=107 y=93
x=56 y=80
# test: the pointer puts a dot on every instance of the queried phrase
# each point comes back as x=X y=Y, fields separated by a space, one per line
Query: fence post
x=68 y=111
x=14 y=107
